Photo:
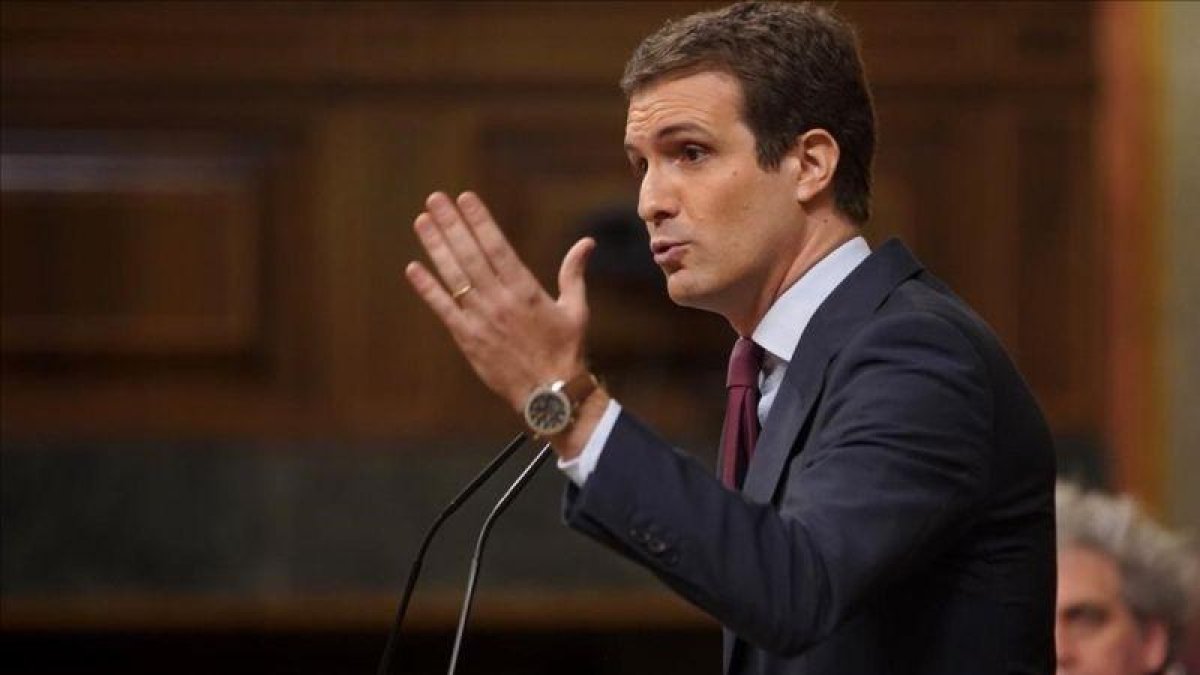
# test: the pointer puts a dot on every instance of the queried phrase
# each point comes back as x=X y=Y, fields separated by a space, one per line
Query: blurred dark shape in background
x=620 y=259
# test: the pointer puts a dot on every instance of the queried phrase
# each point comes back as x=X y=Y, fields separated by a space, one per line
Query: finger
x=492 y=241
x=439 y=253
x=572 y=289
x=426 y=286
x=460 y=241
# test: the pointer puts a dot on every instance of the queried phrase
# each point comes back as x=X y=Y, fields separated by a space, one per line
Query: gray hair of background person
x=1159 y=571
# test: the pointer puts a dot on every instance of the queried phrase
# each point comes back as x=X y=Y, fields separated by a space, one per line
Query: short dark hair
x=799 y=69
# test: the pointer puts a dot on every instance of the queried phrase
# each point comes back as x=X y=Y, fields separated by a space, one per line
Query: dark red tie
x=741 y=412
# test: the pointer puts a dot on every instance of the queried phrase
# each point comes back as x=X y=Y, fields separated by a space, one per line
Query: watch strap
x=579 y=388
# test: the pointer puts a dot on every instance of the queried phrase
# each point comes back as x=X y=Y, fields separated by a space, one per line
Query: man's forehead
x=1085 y=571
x=697 y=99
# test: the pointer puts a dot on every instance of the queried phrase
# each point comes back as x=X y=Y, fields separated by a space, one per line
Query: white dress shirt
x=778 y=334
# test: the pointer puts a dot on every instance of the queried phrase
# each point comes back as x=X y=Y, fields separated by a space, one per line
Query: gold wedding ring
x=461 y=292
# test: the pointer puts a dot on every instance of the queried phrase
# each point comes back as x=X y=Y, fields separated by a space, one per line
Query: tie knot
x=744 y=364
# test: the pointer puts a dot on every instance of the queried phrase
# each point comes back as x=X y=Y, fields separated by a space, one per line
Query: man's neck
x=825 y=234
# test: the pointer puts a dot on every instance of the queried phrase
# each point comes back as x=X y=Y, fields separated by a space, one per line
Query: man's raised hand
x=511 y=331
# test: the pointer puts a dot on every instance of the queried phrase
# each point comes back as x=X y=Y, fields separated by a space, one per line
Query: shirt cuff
x=581 y=466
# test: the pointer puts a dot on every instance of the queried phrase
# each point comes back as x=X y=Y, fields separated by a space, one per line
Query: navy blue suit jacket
x=897 y=516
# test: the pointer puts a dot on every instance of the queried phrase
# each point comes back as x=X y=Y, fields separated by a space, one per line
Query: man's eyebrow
x=670 y=130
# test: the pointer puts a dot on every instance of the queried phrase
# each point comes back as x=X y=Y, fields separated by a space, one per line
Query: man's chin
x=682 y=290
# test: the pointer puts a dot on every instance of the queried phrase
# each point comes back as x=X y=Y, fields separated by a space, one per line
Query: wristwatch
x=551 y=408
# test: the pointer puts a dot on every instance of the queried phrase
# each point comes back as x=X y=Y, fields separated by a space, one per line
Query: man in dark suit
x=885 y=502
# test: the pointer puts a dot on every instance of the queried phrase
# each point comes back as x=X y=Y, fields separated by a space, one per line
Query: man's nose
x=657 y=201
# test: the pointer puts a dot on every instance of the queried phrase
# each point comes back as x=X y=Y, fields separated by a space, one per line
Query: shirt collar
x=781 y=328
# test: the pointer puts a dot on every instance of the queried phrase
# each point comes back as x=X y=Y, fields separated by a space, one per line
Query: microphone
x=477 y=558
x=389 y=651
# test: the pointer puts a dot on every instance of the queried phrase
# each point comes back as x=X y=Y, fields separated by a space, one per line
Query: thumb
x=572 y=291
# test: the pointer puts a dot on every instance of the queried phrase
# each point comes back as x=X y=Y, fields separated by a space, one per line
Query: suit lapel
x=842 y=313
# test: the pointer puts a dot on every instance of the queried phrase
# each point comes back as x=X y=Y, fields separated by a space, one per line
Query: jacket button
x=656 y=546
x=639 y=535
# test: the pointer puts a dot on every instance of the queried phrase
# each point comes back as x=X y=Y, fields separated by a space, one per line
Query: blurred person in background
x=1125 y=587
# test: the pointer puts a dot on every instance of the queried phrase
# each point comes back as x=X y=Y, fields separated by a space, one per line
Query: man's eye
x=1087 y=616
x=638 y=166
x=693 y=153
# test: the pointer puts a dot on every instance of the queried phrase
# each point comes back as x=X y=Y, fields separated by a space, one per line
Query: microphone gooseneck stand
x=389 y=652
x=476 y=559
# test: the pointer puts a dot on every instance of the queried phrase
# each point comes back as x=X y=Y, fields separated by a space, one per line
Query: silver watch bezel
x=553 y=390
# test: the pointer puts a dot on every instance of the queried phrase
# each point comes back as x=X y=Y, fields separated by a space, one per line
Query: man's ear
x=1154 y=646
x=815 y=156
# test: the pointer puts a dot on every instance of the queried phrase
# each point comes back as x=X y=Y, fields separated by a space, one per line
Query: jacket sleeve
x=891 y=467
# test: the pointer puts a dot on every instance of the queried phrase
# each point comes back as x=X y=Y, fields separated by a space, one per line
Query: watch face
x=548 y=412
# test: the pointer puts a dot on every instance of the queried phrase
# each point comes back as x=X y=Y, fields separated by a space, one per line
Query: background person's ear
x=1154 y=646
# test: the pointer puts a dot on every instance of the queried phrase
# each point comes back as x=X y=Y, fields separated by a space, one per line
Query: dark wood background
x=206 y=211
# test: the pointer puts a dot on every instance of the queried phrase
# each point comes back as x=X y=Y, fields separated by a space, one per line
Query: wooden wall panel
x=155 y=266
x=1059 y=285
x=975 y=45
x=394 y=369
x=118 y=250
x=369 y=43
